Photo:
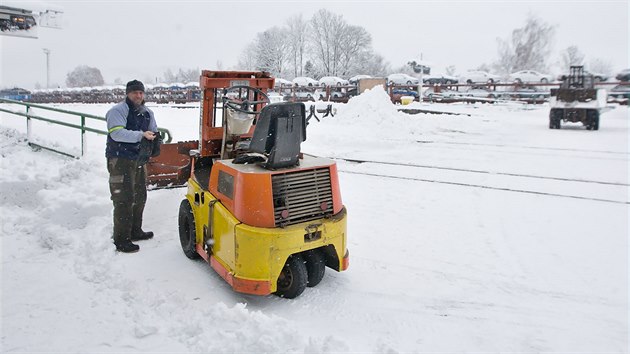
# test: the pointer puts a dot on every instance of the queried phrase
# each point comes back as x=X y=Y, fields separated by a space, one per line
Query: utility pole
x=421 y=64
x=47 y=52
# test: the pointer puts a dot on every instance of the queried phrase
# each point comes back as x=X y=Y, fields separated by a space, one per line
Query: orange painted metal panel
x=336 y=192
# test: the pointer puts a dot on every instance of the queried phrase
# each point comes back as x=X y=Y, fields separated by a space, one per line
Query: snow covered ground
x=484 y=231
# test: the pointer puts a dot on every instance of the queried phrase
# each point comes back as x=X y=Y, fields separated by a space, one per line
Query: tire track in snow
x=487 y=187
x=482 y=171
x=523 y=147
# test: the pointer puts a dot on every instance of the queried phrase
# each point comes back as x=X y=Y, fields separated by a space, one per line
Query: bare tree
x=309 y=68
x=328 y=31
x=270 y=50
x=247 y=60
x=571 y=56
x=527 y=48
x=297 y=29
x=183 y=75
x=169 y=77
x=84 y=76
x=601 y=66
x=483 y=67
x=355 y=42
x=188 y=75
x=333 y=48
x=371 y=63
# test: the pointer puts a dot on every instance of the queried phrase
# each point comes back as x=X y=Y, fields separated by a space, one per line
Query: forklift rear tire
x=596 y=123
x=315 y=267
x=293 y=278
x=187 y=231
x=593 y=120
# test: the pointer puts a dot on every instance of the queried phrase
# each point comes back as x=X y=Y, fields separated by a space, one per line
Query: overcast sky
x=141 y=39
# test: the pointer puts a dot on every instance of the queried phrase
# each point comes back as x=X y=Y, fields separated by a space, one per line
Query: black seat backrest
x=280 y=129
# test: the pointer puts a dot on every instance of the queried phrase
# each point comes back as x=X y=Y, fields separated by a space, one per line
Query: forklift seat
x=280 y=129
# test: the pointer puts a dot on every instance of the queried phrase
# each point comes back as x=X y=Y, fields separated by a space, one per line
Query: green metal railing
x=165 y=133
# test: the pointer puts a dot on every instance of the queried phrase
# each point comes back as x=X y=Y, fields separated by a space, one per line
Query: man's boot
x=127 y=247
x=140 y=235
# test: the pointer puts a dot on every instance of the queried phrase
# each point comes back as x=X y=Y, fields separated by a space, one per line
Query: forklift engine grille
x=301 y=196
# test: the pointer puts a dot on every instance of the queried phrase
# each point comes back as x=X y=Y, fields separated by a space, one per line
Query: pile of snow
x=363 y=122
x=374 y=106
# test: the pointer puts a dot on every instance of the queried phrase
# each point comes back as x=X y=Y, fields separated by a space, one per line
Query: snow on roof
x=35 y=6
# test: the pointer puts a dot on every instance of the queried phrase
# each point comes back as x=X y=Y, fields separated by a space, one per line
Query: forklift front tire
x=187 y=230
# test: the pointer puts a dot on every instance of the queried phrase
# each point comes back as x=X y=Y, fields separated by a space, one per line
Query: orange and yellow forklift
x=265 y=216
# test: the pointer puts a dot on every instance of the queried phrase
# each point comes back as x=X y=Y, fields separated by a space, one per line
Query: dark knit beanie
x=135 y=85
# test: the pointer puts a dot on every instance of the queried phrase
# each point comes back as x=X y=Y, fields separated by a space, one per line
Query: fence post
x=28 y=125
x=83 y=136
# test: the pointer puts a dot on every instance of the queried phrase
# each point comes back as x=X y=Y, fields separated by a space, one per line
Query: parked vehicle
x=525 y=93
x=304 y=81
x=597 y=77
x=620 y=91
x=316 y=95
x=355 y=79
x=479 y=92
x=17 y=94
x=624 y=75
x=471 y=77
x=282 y=82
x=434 y=94
x=398 y=93
x=439 y=79
x=402 y=79
x=332 y=81
x=529 y=76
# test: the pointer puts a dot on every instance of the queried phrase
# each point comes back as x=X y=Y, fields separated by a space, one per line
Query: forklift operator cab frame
x=267 y=218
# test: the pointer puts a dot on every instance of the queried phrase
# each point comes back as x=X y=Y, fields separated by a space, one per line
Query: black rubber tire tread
x=186 y=223
x=293 y=278
x=315 y=267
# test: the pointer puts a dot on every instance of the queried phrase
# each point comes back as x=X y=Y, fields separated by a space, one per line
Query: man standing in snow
x=131 y=126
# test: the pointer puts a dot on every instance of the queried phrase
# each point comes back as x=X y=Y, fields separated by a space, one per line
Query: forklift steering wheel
x=244 y=106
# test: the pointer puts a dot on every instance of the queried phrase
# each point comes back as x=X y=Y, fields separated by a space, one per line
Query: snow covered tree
x=602 y=66
x=183 y=75
x=527 y=48
x=571 y=56
x=270 y=51
x=328 y=32
x=297 y=29
x=247 y=60
x=324 y=46
x=370 y=63
x=309 y=68
x=338 y=49
x=169 y=77
x=188 y=75
x=450 y=70
x=84 y=76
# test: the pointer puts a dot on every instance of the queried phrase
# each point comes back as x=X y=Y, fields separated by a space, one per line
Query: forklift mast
x=172 y=167
x=212 y=85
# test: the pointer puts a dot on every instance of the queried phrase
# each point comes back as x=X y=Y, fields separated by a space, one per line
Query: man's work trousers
x=127 y=185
